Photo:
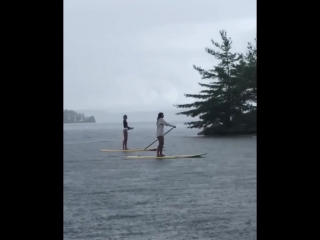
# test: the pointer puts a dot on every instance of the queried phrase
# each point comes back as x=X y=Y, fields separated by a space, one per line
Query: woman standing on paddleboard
x=125 y=132
x=160 y=124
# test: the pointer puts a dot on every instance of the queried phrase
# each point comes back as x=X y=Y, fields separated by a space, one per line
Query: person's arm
x=166 y=123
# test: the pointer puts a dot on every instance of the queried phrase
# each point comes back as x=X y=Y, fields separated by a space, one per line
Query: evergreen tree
x=91 y=119
x=218 y=103
x=65 y=116
x=70 y=116
x=246 y=72
x=251 y=71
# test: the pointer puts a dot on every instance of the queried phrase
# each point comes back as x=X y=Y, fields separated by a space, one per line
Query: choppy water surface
x=107 y=197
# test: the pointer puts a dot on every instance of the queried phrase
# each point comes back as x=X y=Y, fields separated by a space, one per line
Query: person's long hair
x=160 y=115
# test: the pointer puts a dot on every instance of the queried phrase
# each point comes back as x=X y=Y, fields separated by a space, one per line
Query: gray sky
x=137 y=55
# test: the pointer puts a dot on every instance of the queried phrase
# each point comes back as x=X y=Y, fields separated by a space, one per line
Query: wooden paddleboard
x=130 y=150
x=165 y=157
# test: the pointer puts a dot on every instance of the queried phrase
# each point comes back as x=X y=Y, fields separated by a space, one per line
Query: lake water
x=108 y=197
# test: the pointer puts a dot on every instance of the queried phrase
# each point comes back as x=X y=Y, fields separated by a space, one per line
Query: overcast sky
x=134 y=55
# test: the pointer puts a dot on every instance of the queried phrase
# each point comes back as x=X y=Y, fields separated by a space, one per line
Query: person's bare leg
x=125 y=140
x=161 y=155
x=161 y=140
x=126 y=147
x=158 y=148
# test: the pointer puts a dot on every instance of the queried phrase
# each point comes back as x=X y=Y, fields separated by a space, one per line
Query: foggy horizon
x=132 y=56
x=104 y=116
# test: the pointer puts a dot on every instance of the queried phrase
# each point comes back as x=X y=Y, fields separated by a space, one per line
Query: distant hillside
x=70 y=116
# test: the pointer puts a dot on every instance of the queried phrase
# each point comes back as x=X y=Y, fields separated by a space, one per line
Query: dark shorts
x=160 y=138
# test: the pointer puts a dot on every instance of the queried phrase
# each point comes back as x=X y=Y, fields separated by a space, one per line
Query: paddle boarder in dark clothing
x=125 y=132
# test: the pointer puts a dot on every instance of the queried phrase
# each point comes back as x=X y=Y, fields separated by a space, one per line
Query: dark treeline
x=228 y=104
x=70 y=116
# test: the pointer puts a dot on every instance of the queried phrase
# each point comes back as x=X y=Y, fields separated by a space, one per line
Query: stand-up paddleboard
x=130 y=150
x=165 y=157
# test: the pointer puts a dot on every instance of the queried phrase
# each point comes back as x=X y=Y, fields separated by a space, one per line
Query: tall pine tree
x=219 y=101
x=251 y=71
x=246 y=74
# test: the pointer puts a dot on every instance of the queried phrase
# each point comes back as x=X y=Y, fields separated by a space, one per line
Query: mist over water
x=103 y=116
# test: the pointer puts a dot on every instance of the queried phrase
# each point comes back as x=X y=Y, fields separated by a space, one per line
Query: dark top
x=125 y=124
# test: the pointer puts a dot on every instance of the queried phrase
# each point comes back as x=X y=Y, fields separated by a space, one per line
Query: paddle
x=157 y=139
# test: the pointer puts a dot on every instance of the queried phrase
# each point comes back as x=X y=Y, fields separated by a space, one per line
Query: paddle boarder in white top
x=160 y=124
x=125 y=132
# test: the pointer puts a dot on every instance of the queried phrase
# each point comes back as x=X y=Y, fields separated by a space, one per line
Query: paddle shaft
x=157 y=139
